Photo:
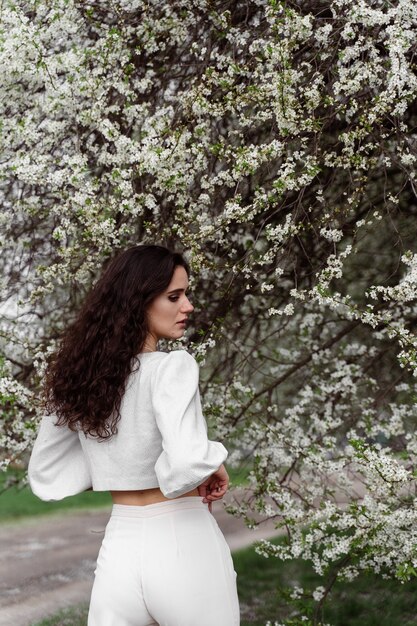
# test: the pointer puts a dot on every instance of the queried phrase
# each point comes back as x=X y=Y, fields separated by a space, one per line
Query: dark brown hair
x=86 y=376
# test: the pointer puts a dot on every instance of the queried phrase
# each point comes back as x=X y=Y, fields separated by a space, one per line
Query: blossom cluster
x=272 y=143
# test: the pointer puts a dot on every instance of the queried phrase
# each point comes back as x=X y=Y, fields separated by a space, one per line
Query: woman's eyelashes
x=175 y=298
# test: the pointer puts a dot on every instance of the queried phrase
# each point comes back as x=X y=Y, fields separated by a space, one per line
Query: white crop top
x=161 y=439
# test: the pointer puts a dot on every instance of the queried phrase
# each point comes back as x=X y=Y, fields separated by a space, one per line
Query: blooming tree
x=272 y=141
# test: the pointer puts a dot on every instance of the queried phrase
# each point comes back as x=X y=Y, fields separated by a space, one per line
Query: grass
x=21 y=503
x=368 y=601
x=72 y=616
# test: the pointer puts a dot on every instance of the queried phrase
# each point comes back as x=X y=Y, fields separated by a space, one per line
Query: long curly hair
x=86 y=376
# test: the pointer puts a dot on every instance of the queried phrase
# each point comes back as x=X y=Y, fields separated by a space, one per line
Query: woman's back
x=161 y=441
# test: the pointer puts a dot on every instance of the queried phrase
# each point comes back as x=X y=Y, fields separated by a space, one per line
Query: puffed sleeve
x=57 y=465
x=188 y=456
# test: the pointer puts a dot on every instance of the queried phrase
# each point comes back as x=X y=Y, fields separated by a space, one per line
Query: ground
x=47 y=563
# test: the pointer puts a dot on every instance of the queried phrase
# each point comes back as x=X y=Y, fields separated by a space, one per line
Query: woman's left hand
x=215 y=486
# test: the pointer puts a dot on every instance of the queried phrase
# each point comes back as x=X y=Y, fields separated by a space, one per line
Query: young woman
x=125 y=417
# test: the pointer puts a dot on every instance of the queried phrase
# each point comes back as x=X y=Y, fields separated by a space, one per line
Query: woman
x=125 y=417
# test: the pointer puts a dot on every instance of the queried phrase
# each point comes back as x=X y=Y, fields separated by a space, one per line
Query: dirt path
x=48 y=563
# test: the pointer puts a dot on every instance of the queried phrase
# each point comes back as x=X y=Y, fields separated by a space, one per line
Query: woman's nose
x=189 y=308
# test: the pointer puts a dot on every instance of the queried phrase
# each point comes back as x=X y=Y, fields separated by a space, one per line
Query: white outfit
x=161 y=440
x=166 y=563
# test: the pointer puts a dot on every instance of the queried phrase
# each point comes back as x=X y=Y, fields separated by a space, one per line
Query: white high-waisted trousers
x=165 y=564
